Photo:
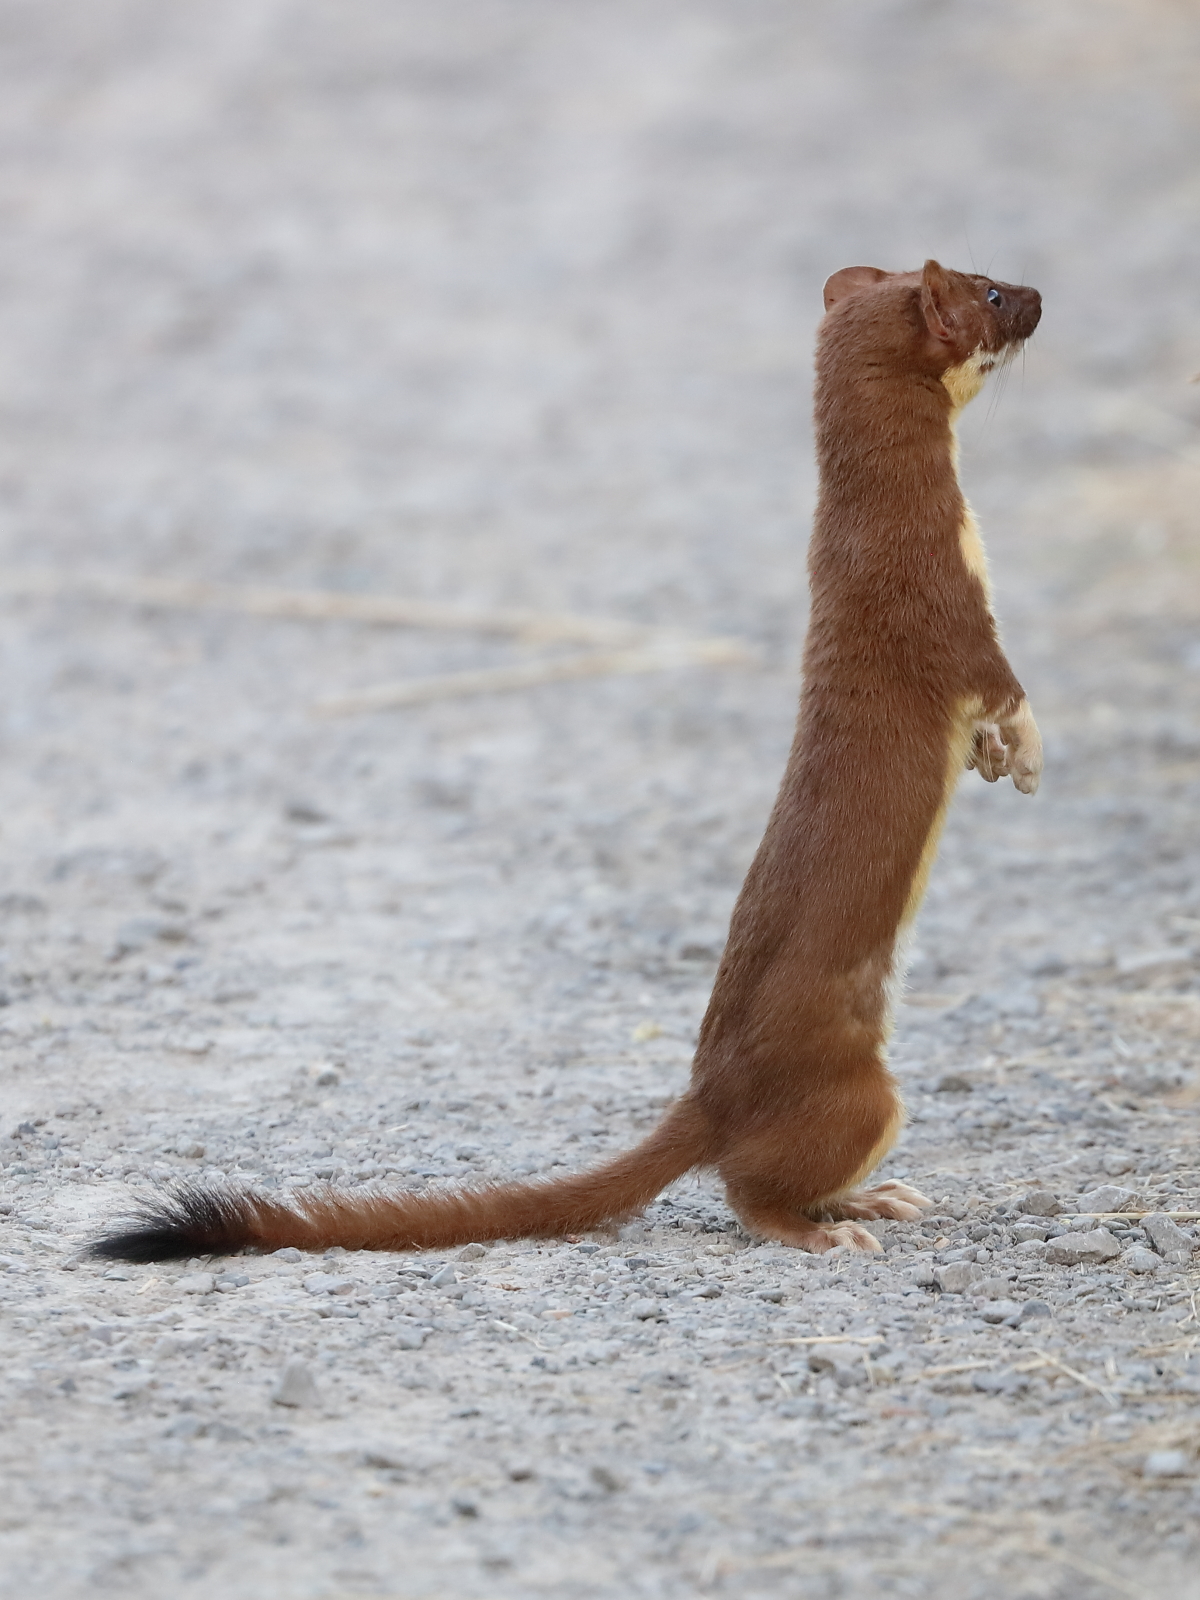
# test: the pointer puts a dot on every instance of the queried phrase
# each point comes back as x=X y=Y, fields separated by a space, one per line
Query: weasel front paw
x=988 y=755
x=1024 y=742
x=1011 y=747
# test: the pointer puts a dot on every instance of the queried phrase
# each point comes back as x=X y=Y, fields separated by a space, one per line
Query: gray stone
x=606 y=1479
x=297 y=1387
x=411 y=1338
x=139 y=932
x=195 y=1283
x=645 y=1310
x=1073 y=1249
x=1039 y=1203
x=1006 y=1383
x=231 y=1280
x=708 y=1291
x=1139 y=1259
x=472 y=1252
x=994 y=1288
x=288 y=1253
x=446 y=1276
x=1021 y=1000
x=1167 y=1464
x=1115 y=1162
x=1000 y=1311
x=185 y=1427
x=843 y=1362
x=1033 y=1309
x=1167 y=1237
x=328 y=1283
x=1025 y=1231
x=1108 y=1197
x=774 y=1295
x=956 y=1277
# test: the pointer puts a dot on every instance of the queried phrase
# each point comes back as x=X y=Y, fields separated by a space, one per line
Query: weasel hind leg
x=796 y=1180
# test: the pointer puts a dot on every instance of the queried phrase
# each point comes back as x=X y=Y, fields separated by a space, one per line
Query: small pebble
x=956 y=1277
x=1167 y=1237
x=645 y=1310
x=994 y=1288
x=185 y=1427
x=195 y=1283
x=1070 y=1249
x=1139 y=1259
x=288 y=1253
x=1108 y=1197
x=607 y=1479
x=1000 y=1311
x=297 y=1387
x=1166 y=1464
x=327 y=1283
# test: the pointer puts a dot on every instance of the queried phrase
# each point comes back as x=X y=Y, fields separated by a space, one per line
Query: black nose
x=1031 y=311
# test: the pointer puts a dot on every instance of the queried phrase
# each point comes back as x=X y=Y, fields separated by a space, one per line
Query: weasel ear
x=849 y=281
x=935 y=298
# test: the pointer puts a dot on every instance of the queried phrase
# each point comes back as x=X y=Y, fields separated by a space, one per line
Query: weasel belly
x=958 y=745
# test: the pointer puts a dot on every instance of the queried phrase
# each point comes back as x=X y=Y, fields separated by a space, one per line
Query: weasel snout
x=1019 y=314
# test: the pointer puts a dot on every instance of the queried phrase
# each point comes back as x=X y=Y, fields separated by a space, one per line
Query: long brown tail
x=200 y=1220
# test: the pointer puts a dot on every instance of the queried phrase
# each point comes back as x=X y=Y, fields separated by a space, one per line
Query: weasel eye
x=995 y=298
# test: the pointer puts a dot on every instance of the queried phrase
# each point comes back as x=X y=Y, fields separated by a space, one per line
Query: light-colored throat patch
x=964 y=382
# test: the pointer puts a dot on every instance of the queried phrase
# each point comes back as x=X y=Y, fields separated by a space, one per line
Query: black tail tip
x=190 y=1221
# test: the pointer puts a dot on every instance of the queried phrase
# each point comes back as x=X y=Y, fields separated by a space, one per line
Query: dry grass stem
x=331 y=605
x=532 y=674
x=323 y=605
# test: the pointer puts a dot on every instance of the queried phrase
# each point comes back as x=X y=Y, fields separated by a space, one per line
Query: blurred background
x=514 y=302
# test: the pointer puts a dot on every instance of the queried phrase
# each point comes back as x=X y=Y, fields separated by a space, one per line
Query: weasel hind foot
x=816 y=1237
x=894 y=1201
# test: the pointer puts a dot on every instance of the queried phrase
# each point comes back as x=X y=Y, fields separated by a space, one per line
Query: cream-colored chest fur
x=963 y=383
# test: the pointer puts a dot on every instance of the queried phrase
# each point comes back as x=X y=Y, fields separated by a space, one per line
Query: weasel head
x=956 y=326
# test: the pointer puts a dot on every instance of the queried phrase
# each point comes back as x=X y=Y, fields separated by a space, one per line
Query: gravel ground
x=502 y=304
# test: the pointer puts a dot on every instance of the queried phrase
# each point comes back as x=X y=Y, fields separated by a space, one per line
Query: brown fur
x=904 y=684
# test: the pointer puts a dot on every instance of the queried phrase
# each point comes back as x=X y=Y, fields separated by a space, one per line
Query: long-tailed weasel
x=905 y=684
